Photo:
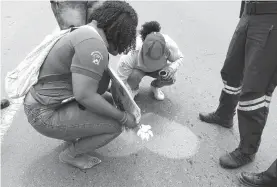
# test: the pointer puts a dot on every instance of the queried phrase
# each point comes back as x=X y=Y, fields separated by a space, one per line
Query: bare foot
x=83 y=161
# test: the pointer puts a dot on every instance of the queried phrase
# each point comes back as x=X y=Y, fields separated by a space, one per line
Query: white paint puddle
x=171 y=140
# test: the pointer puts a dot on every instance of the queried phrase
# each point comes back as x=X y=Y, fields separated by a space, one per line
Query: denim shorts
x=68 y=122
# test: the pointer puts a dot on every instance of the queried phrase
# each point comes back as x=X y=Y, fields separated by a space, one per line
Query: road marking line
x=7 y=116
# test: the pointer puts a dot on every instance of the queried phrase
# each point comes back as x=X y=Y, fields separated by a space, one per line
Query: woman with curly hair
x=76 y=67
x=156 y=55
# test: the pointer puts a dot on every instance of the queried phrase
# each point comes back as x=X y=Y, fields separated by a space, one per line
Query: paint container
x=163 y=73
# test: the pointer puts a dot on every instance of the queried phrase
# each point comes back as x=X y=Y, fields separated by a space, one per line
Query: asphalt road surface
x=183 y=152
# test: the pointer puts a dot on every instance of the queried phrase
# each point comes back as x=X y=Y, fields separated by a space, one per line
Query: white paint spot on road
x=171 y=139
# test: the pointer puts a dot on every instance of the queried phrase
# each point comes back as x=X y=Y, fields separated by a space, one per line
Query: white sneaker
x=158 y=94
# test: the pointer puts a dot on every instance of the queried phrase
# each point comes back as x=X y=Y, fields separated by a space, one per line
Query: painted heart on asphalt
x=171 y=140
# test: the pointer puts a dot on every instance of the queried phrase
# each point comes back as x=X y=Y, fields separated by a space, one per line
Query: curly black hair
x=148 y=27
x=119 y=22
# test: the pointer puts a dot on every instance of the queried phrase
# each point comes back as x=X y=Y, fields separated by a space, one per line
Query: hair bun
x=149 y=27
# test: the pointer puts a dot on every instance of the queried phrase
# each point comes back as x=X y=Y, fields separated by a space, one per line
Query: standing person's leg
x=266 y=178
x=260 y=79
x=232 y=75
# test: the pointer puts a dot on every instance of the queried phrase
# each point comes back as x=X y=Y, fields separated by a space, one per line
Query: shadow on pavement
x=148 y=104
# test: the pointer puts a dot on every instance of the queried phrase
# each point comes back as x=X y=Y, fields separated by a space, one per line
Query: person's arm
x=126 y=65
x=88 y=65
x=175 y=56
x=85 y=92
x=127 y=62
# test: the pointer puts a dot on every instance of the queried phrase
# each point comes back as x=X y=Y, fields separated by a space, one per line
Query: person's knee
x=114 y=127
x=135 y=78
x=161 y=83
x=136 y=75
x=108 y=97
x=118 y=129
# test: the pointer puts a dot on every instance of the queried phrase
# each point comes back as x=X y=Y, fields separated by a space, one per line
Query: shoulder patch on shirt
x=96 y=57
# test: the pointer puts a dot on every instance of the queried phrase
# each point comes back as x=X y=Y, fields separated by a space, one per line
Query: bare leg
x=89 y=131
x=73 y=155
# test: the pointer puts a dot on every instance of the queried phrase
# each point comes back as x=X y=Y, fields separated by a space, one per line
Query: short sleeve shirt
x=82 y=51
x=90 y=57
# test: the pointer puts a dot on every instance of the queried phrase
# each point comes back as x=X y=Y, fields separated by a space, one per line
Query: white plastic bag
x=25 y=75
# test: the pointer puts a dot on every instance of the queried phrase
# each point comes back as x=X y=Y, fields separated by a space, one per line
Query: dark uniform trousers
x=250 y=73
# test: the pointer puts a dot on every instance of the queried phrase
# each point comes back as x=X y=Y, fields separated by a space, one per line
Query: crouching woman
x=76 y=67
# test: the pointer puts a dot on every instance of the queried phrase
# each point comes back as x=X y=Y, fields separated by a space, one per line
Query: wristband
x=124 y=119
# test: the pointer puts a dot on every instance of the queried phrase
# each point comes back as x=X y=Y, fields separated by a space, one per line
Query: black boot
x=224 y=113
x=235 y=159
x=216 y=119
x=257 y=179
